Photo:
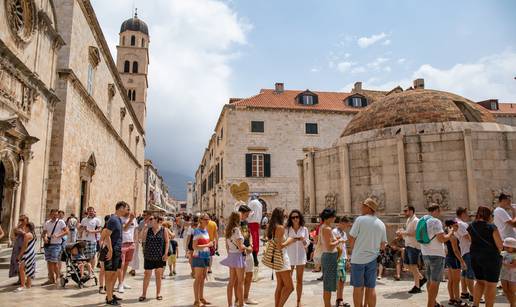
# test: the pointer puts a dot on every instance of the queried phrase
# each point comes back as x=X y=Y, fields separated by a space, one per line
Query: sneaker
x=102 y=290
x=121 y=289
x=127 y=287
x=19 y=289
x=422 y=282
x=415 y=290
x=250 y=302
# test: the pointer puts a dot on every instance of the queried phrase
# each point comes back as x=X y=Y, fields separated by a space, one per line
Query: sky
x=202 y=52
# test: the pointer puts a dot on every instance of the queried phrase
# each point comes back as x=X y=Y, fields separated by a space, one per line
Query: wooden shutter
x=248 y=165
x=267 y=165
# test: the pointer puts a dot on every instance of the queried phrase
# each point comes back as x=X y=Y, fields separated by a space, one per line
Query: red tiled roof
x=327 y=101
x=506 y=108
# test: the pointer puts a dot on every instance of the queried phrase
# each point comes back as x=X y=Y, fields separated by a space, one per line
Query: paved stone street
x=177 y=291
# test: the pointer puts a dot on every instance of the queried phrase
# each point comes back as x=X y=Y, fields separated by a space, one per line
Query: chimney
x=419 y=83
x=279 y=88
x=358 y=86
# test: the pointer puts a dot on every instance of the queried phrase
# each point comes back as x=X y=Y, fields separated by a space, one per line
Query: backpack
x=422 y=231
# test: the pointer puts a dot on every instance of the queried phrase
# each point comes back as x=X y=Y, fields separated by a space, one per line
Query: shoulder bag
x=273 y=256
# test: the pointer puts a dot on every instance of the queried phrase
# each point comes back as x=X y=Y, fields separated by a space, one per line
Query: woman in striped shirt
x=27 y=258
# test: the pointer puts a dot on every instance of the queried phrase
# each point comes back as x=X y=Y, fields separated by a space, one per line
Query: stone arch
x=10 y=186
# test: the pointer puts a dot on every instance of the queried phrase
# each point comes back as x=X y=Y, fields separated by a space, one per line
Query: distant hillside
x=176 y=183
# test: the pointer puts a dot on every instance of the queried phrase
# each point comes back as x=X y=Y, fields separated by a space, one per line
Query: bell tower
x=133 y=62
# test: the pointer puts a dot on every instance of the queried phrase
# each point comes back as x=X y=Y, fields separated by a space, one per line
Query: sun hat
x=371 y=203
x=509 y=242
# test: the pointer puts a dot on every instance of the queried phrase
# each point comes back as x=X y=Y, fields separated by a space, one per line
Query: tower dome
x=416 y=107
x=135 y=24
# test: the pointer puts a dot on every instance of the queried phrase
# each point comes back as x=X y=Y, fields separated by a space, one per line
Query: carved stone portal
x=436 y=196
x=306 y=205
x=377 y=195
x=331 y=200
x=495 y=193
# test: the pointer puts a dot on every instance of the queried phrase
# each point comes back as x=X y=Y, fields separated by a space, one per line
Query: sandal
x=141 y=298
x=205 y=302
x=159 y=297
x=452 y=302
x=459 y=303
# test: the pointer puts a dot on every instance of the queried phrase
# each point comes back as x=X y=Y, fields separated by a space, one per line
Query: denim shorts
x=411 y=255
x=468 y=272
x=434 y=267
x=53 y=253
x=363 y=275
x=200 y=262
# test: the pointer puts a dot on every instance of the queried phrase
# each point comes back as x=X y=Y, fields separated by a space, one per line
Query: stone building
x=29 y=46
x=97 y=149
x=414 y=147
x=259 y=139
x=156 y=190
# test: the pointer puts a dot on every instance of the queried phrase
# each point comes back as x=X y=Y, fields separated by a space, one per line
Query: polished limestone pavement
x=177 y=291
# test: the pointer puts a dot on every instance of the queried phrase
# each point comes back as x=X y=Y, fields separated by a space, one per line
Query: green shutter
x=267 y=165
x=248 y=165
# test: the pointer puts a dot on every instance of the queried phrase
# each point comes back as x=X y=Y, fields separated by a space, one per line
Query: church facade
x=71 y=130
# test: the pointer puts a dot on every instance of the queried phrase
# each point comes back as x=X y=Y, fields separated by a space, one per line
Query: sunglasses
x=294 y=217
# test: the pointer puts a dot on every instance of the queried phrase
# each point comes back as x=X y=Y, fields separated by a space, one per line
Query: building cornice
x=90 y=15
x=70 y=76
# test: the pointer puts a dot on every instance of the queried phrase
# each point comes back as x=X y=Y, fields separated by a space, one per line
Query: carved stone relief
x=377 y=195
x=436 y=196
x=306 y=205
x=331 y=200
x=15 y=93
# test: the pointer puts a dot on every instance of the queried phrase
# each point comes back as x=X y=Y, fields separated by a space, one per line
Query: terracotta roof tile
x=506 y=108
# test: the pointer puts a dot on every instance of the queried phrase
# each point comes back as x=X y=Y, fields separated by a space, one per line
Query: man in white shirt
x=412 y=248
x=129 y=226
x=89 y=229
x=468 y=276
x=254 y=226
x=367 y=236
x=433 y=252
x=504 y=217
x=53 y=232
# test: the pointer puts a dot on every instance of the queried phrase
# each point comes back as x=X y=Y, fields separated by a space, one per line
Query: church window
x=133 y=40
x=89 y=84
x=135 y=67
x=127 y=65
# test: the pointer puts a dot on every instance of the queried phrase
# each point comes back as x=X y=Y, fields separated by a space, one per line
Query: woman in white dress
x=276 y=231
x=297 y=251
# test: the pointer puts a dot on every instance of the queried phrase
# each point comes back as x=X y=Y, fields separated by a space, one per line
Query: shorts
x=172 y=259
x=434 y=267
x=153 y=264
x=249 y=263
x=411 y=255
x=486 y=267
x=329 y=269
x=363 y=275
x=115 y=263
x=452 y=263
x=468 y=272
x=341 y=269
x=200 y=262
x=53 y=252
x=127 y=252
x=90 y=249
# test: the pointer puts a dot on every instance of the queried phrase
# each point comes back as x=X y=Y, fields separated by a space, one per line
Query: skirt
x=329 y=268
x=234 y=260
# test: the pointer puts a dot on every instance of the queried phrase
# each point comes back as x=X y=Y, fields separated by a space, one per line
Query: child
x=78 y=257
x=173 y=254
x=343 y=225
x=508 y=273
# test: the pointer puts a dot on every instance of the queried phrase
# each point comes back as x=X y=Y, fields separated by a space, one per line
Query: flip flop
x=159 y=297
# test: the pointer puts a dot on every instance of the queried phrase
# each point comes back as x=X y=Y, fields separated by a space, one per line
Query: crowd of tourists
x=474 y=256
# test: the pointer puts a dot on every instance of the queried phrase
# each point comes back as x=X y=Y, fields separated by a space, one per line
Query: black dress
x=154 y=250
x=485 y=256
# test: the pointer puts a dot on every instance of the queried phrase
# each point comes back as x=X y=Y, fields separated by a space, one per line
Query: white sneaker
x=121 y=289
x=19 y=289
x=127 y=287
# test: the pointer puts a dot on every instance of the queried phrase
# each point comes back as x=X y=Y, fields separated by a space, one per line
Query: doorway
x=83 y=204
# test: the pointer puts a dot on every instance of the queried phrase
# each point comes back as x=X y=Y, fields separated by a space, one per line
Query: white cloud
x=377 y=63
x=191 y=47
x=488 y=77
x=345 y=66
x=401 y=60
x=387 y=69
x=315 y=69
x=347 y=55
x=386 y=42
x=365 y=41
x=358 y=70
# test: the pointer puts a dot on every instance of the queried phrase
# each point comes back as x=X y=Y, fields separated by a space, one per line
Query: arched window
x=127 y=65
x=133 y=40
x=135 y=67
x=143 y=42
x=130 y=94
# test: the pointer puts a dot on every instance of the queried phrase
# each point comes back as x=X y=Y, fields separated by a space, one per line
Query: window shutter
x=267 y=165
x=248 y=165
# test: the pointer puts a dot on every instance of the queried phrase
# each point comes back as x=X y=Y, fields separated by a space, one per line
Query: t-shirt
x=339 y=234
x=49 y=226
x=462 y=231
x=501 y=217
x=173 y=247
x=434 y=248
x=91 y=223
x=115 y=225
x=202 y=237
x=369 y=232
x=128 y=235
x=482 y=241
x=410 y=226
x=256 y=214
x=244 y=228
x=233 y=241
x=212 y=229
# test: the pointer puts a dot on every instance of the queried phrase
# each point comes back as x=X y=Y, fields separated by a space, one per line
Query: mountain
x=176 y=183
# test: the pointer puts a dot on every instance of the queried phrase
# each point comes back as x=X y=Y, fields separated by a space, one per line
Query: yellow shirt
x=212 y=230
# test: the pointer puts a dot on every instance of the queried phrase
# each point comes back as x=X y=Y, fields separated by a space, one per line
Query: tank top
x=450 y=254
x=325 y=248
x=154 y=245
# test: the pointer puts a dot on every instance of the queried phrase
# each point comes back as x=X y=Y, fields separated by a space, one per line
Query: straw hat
x=509 y=242
x=371 y=203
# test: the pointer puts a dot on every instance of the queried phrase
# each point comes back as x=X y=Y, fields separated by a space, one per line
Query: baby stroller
x=73 y=256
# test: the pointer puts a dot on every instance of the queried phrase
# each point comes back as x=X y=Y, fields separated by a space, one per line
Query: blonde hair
x=233 y=222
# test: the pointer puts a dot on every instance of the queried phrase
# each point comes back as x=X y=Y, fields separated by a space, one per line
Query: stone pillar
x=472 y=188
x=18 y=192
x=402 y=174
x=301 y=182
x=311 y=183
x=345 y=177
x=27 y=156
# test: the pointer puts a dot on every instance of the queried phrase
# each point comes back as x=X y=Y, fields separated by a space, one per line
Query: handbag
x=273 y=256
x=318 y=248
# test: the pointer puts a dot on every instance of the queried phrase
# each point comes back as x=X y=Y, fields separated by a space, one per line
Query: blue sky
x=205 y=51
